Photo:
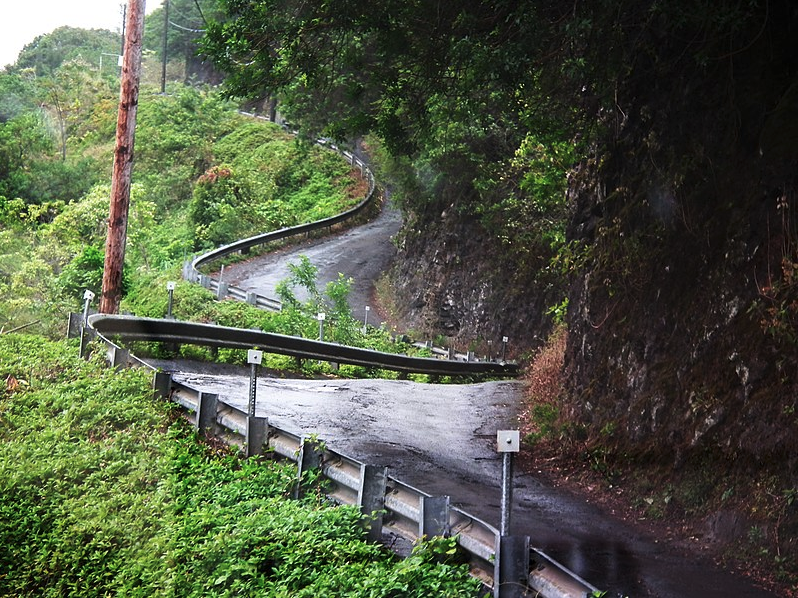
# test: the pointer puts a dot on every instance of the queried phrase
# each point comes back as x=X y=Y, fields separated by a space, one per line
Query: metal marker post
x=254 y=358
x=170 y=288
x=507 y=443
x=321 y=316
x=490 y=350
x=504 y=346
x=221 y=290
x=366 y=320
x=88 y=296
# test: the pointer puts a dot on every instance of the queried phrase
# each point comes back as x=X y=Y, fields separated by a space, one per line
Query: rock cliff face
x=669 y=340
x=682 y=324
x=682 y=317
x=451 y=279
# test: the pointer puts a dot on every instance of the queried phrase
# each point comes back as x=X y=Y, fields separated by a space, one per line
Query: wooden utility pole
x=123 y=159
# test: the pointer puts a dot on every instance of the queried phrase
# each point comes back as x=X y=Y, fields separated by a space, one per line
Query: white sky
x=23 y=20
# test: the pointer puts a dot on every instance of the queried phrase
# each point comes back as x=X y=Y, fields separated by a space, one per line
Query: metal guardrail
x=191 y=270
x=132 y=328
x=507 y=565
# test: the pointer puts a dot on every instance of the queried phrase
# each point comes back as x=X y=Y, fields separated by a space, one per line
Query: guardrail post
x=205 y=281
x=257 y=433
x=511 y=576
x=451 y=352
x=118 y=357
x=162 y=384
x=310 y=454
x=434 y=518
x=206 y=413
x=470 y=356
x=252 y=298
x=371 y=498
x=74 y=325
x=86 y=336
x=221 y=292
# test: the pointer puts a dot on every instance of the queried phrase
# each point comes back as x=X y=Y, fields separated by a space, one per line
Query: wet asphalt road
x=441 y=438
x=362 y=253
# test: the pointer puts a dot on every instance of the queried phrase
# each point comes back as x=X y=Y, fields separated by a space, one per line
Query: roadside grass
x=105 y=491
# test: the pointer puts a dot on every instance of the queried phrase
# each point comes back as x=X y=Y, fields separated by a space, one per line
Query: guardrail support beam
x=310 y=454
x=74 y=325
x=511 y=579
x=434 y=519
x=371 y=498
x=118 y=357
x=87 y=335
x=162 y=384
x=257 y=434
x=206 y=413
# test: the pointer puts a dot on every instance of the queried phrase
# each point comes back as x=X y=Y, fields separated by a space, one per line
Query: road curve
x=362 y=253
x=441 y=439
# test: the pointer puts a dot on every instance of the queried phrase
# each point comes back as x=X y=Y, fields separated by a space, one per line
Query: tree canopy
x=46 y=53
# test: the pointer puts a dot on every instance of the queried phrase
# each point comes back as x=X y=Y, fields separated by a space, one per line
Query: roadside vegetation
x=105 y=491
x=624 y=167
x=205 y=175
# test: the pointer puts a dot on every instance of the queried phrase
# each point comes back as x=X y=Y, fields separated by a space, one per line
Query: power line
x=176 y=26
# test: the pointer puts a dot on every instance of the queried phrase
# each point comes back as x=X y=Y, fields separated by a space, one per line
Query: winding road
x=441 y=438
x=362 y=253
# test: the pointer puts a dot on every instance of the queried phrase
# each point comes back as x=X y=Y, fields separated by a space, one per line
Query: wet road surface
x=441 y=439
x=362 y=253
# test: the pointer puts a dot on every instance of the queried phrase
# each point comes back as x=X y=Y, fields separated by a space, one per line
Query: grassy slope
x=103 y=491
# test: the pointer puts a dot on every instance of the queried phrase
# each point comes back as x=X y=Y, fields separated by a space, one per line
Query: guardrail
x=507 y=565
x=132 y=328
x=191 y=269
